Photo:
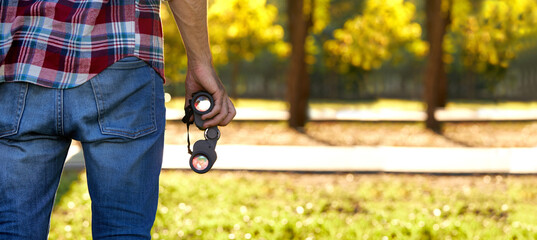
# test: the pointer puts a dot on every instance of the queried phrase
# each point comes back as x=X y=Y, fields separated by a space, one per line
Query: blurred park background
x=433 y=52
x=342 y=74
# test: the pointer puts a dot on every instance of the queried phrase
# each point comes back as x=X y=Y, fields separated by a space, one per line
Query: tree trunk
x=442 y=76
x=298 y=82
x=442 y=88
x=435 y=91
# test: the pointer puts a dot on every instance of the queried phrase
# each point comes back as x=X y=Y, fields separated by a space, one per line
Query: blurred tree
x=488 y=33
x=304 y=16
x=385 y=32
x=378 y=35
x=239 y=30
x=435 y=88
x=492 y=35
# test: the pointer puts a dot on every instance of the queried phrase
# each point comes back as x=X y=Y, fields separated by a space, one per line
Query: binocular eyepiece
x=202 y=103
x=204 y=153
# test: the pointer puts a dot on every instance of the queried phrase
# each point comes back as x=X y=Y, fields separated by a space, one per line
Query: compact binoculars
x=203 y=155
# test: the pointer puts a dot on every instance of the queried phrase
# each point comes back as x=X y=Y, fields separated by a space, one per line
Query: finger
x=218 y=102
x=231 y=114
x=218 y=118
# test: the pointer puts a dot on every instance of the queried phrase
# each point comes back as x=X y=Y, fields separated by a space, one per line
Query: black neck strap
x=186 y=119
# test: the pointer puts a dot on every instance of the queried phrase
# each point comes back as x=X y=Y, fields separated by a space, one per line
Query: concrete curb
x=356 y=159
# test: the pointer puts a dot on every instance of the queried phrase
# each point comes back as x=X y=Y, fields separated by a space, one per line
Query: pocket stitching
x=122 y=132
x=96 y=93
x=21 y=103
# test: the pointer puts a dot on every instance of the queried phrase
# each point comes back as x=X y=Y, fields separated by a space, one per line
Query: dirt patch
x=515 y=134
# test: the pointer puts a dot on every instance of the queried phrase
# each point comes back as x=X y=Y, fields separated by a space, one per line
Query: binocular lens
x=202 y=104
x=200 y=162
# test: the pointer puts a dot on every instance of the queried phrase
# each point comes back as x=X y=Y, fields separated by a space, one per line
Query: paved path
x=355 y=159
x=361 y=159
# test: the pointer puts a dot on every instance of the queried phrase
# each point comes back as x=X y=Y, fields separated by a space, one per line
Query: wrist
x=200 y=64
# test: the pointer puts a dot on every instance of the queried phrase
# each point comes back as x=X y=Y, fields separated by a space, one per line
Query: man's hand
x=204 y=78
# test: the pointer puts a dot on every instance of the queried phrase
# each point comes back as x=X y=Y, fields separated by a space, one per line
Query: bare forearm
x=191 y=19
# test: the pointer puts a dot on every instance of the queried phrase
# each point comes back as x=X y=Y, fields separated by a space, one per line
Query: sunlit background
x=362 y=50
x=362 y=102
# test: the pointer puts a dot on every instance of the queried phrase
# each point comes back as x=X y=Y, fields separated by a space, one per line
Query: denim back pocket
x=12 y=101
x=125 y=97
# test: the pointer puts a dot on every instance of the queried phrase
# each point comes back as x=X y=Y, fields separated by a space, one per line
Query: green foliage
x=320 y=14
x=175 y=60
x=484 y=36
x=493 y=33
x=236 y=205
x=238 y=29
x=370 y=39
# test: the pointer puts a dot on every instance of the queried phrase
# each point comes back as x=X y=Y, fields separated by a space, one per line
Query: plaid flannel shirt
x=63 y=43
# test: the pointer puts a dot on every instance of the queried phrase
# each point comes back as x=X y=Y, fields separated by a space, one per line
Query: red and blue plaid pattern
x=63 y=43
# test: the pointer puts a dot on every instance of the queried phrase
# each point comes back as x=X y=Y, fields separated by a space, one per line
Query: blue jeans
x=119 y=118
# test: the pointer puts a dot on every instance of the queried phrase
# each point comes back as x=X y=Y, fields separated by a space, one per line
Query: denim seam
x=59 y=112
x=98 y=102
x=153 y=101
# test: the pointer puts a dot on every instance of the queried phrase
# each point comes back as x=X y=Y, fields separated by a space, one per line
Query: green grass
x=246 y=205
x=393 y=104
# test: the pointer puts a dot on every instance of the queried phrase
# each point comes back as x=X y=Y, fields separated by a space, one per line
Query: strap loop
x=186 y=119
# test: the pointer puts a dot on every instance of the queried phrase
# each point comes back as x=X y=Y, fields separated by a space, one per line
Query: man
x=91 y=70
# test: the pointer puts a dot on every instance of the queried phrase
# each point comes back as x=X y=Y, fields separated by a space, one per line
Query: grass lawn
x=274 y=206
x=256 y=205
